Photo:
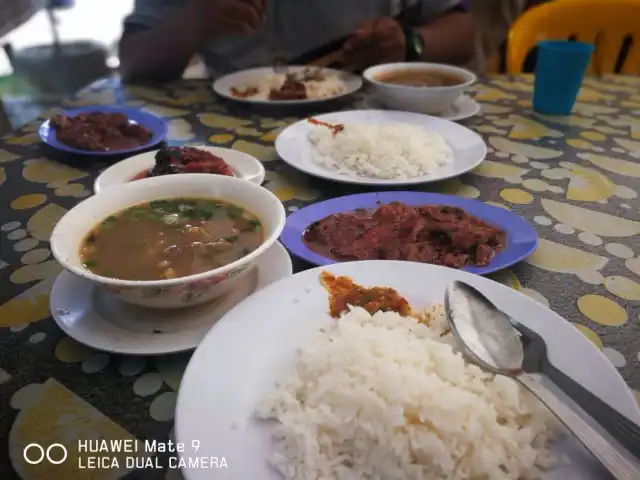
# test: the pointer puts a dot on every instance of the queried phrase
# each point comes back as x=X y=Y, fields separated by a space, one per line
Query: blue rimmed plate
x=154 y=124
x=522 y=238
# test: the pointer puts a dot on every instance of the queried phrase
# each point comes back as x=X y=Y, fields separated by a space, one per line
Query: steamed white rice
x=329 y=86
x=383 y=397
x=386 y=151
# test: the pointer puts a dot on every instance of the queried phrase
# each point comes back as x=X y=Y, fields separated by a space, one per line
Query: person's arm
x=160 y=38
x=449 y=38
x=445 y=28
x=160 y=52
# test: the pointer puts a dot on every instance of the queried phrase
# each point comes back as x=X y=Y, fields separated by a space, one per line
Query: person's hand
x=375 y=41
x=221 y=18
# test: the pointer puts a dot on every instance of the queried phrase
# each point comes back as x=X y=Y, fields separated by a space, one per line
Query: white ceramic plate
x=244 y=166
x=100 y=320
x=255 y=344
x=469 y=150
x=244 y=78
x=463 y=108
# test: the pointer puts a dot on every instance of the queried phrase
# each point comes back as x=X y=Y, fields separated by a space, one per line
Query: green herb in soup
x=170 y=238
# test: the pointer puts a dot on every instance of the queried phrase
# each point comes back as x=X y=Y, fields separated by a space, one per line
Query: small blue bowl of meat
x=103 y=131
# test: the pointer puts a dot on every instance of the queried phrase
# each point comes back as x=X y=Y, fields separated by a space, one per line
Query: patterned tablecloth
x=575 y=178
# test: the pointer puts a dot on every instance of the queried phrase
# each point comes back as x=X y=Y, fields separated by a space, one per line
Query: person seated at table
x=161 y=36
x=493 y=19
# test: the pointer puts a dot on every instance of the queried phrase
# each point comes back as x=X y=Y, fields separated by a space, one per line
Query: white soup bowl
x=69 y=234
x=429 y=100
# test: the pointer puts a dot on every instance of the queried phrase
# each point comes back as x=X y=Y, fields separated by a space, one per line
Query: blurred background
x=51 y=48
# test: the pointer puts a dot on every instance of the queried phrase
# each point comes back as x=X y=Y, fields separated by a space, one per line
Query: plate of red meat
x=103 y=130
x=410 y=226
x=187 y=159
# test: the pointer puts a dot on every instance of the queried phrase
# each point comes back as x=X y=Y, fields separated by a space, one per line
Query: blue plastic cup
x=559 y=72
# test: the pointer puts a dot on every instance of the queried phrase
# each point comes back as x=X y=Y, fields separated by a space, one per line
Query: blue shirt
x=298 y=25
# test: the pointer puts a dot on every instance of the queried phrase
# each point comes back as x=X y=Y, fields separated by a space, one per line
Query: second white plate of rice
x=280 y=390
x=380 y=147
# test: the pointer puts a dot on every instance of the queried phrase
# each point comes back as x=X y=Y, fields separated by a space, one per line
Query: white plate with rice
x=380 y=147
x=375 y=388
x=334 y=84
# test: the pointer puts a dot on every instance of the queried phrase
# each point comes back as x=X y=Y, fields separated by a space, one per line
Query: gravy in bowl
x=170 y=238
x=413 y=77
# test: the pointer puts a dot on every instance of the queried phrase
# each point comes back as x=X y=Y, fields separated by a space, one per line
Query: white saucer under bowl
x=97 y=318
x=243 y=165
x=464 y=107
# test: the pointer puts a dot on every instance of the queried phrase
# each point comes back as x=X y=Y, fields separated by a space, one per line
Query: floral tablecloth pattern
x=576 y=178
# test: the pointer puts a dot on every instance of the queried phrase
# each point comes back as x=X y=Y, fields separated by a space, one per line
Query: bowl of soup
x=171 y=241
x=430 y=88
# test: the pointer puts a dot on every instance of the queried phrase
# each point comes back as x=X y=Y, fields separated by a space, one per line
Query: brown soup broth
x=170 y=238
x=420 y=78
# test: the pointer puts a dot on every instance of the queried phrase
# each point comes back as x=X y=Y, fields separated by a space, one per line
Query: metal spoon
x=488 y=337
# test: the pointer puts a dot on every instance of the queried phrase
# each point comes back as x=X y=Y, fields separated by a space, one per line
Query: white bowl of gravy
x=430 y=88
x=170 y=241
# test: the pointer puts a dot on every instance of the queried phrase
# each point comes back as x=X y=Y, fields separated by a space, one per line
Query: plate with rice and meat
x=352 y=373
x=294 y=85
x=380 y=147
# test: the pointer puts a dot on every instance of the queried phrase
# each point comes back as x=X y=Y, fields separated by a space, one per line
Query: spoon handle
x=618 y=425
x=614 y=457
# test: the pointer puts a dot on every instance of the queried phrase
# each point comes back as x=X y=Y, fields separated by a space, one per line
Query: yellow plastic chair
x=605 y=23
